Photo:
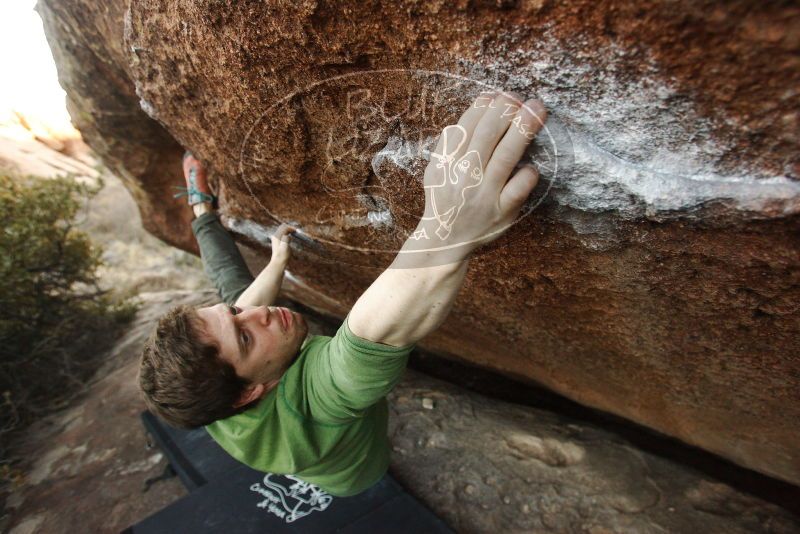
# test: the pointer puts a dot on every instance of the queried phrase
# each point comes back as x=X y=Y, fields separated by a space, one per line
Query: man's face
x=260 y=342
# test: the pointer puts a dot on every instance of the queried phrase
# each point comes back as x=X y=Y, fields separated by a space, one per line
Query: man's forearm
x=265 y=288
x=405 y=304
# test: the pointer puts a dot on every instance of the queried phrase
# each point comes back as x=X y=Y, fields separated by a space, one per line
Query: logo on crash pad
x=289 y=498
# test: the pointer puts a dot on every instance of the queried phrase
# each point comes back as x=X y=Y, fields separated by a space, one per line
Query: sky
x=29 y=81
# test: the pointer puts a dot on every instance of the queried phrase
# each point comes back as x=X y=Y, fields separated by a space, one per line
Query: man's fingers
x=493 y=124
x=451 y=142
x=523 y=128
x=517 y=189
x=453 y=135
x=283 y=232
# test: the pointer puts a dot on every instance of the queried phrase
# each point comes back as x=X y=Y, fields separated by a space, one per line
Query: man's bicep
x=349 y=374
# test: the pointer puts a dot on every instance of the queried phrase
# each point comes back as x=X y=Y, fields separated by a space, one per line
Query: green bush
x=54 y=318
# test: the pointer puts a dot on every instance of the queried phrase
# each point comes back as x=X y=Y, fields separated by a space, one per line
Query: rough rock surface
x=480 y=464
x=658 y=277
x=90 y=464
x=490 y=466
x=25 y=151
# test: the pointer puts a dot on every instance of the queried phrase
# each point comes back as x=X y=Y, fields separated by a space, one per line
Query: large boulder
x=655 y=273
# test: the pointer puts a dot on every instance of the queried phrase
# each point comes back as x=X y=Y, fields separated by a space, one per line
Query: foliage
x=54 y=318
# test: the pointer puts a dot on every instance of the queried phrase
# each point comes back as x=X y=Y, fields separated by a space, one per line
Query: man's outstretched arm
x=403 y=305
x=470 y=201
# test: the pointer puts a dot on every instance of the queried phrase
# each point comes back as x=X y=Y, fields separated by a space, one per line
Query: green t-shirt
x=326 y=422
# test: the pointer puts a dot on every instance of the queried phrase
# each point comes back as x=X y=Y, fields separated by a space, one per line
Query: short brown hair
x=182 y=377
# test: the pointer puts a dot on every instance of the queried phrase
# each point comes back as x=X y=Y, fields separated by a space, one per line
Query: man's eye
x=245 y=339
x=234 y=310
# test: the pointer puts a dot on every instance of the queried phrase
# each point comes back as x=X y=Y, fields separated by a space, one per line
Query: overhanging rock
x=655 y=273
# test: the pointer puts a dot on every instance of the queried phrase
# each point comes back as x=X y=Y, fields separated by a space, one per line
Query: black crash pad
x=226 y=495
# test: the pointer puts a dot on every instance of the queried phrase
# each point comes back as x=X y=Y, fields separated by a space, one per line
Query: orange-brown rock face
x=655 y=272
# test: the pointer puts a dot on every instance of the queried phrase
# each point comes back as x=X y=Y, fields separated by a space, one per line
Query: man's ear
x=255 y=392
x=250 y=394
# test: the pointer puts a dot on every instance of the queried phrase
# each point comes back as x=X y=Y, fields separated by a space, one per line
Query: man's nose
x=260 y=314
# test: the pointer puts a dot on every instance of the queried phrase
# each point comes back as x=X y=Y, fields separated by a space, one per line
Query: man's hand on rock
x=281 y=252
x=470 y=199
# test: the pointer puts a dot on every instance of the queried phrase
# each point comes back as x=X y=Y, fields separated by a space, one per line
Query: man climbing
x=315 y=407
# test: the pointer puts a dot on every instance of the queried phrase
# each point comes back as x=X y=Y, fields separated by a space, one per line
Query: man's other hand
x=281 y=251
